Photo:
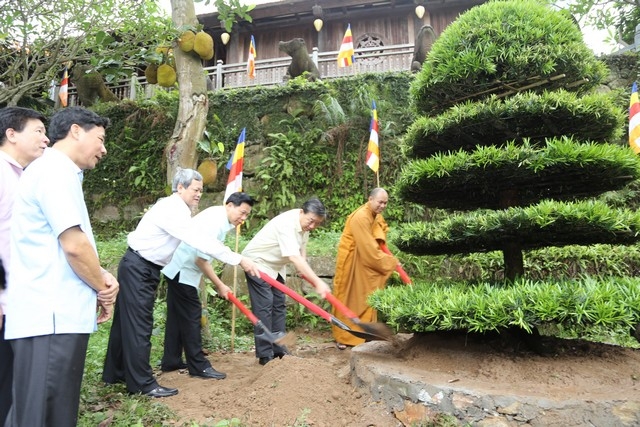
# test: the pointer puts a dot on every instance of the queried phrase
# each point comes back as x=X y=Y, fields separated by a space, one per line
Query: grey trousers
x=269 y=305
x=47 y=375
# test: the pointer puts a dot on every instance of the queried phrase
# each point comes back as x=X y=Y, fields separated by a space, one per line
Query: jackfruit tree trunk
x=193 y=103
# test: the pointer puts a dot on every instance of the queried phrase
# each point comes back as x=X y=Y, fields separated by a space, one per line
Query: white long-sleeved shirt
x=164 y=226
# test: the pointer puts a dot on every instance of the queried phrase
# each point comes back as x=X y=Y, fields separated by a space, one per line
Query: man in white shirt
x=56 y=280
x=22 y=140
x=184 y=310
x=282 y=241
x=151 y=246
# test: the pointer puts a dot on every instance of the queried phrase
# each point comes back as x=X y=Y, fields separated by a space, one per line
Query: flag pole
x=235 y=282
x=234 y=184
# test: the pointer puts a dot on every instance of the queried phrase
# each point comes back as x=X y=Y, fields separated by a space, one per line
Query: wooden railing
x=271 y=71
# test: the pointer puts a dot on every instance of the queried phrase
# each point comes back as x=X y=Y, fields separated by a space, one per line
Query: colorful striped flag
x=345 y=56
x=634 y=119
x=64 y=88
x=234 y=183
x=373 y=150
x=251 y=62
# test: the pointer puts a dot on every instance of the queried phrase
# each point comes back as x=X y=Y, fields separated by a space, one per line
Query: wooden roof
x=298 y=12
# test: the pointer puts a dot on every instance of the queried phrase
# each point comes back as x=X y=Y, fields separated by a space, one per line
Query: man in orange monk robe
x=361 y=266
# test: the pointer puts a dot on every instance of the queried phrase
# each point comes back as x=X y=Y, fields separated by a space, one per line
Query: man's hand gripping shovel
x=369 y=336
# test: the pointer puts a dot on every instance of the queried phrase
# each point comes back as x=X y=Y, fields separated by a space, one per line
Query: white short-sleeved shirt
x=213 y=224
x=44 y=295
x=281 y=238
x=10 y=171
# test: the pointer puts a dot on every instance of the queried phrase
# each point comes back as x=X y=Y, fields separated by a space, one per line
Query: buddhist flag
x=251 y=62
x=373 y=150
x=234 y=183
x=345 y=56
x=64 y=88
x=634 y=119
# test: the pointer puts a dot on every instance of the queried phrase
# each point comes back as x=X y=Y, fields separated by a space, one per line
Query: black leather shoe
x=264 y=360
x=284 y=352
x=210 y=373
x=162 y=392
x=181 y=365
x=281 y=355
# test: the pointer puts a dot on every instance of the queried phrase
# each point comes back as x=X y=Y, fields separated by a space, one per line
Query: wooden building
x=374 y=23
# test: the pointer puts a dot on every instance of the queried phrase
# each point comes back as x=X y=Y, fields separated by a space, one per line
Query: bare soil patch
x=313 y=387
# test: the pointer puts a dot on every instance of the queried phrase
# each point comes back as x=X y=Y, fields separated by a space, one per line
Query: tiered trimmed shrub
x=512 y=139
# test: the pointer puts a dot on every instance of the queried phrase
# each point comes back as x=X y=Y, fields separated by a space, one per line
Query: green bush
x=499 y=45
x=577 y=304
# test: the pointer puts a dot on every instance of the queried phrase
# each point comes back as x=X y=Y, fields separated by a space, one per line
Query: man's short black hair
x=62 y=121
x=315 y=206
x=239 y=198
x=16 y=118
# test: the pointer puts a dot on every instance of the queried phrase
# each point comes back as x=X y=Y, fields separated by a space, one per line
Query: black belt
x=151 y=264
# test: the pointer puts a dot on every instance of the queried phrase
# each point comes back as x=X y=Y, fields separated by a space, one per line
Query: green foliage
x=548 y=223
x=317 y=147
x=231 y=12
x=618 y=16
x=39 y=38
x=500 y=45
x=576 y=304
x=133 y=169
x=209 y=145
x=495 y=121
x=519 y=173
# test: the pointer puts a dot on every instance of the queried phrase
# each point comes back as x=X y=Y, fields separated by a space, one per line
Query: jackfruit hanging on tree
x=186 y=41
x=166 y=75
x=203 y=45
x=151 y=73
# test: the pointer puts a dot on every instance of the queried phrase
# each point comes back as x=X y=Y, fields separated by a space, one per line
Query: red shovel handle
x=337 y=303
x=252 y=317
x=293 y=294
x=403 y=274
x=340 y=306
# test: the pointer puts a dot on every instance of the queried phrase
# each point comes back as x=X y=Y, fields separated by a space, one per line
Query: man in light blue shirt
x=182 y=329
x=56 y=280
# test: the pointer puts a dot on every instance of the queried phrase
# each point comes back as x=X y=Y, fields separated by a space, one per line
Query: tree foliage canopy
x=622 y=15
x=37 y=39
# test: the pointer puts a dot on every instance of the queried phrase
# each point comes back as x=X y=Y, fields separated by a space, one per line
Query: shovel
x=320 y=312
x=379 y=329
x=266 y=334
x=403 y=274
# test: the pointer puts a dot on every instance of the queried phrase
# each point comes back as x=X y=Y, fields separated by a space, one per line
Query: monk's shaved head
x=378 y=199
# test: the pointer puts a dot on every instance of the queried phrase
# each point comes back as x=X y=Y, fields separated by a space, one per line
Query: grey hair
x=315 y=207
x=184 y=177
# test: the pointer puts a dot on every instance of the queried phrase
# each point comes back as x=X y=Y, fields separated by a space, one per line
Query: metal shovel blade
x=267 y=335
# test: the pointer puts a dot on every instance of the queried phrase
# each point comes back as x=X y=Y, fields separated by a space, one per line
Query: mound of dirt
x=314 y=387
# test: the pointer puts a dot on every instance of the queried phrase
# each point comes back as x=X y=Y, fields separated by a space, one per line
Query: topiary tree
x=512 y=140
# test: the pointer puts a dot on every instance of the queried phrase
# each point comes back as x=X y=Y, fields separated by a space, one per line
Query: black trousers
x=183 y=329
x=47 y=374
x=129 y=347
x=269 y=305
x=6 y=374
